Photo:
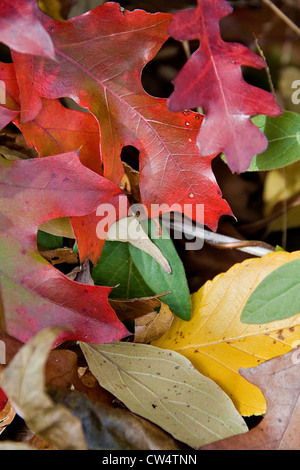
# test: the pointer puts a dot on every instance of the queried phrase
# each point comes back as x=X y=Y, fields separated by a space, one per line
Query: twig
x=253 y=247
x=261 y=53
x=282 y=16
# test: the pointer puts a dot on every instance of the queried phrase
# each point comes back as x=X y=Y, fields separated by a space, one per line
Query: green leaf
x=283 y=134
x=165 y=388
x=157 y=279
x=137 y=274
x=49 y=241
x=276 y=297
x=116 y=268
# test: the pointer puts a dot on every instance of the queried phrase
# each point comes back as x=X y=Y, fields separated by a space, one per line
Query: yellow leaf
x=51 y=8
x=218 y=344
x=60 y=227
x=280 y=184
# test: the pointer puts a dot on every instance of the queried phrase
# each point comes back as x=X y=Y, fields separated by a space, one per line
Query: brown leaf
x=6 y=416
x=110 y=428
x=23 y=382
x=279 y=381
x=153 y=325
x=130 y=309
x=60 y=255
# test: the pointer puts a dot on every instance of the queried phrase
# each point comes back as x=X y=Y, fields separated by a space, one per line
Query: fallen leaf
x=175 y=282
x=7 y=415
x=60 y=255
x=117 y=269
x=109 y=428
x=282 y=133
x=21 y=30
x=212 y=78
x=34 y=293
x=130 y=309
x=60 y=227
x=165 y=388
x=12 y=445
x=56 y=129
x=130 y=230
x=276 y=297
x=23 y=382
x=137 y=274
x=279 y=381
x=281 y=186
x=218 y=344
x=125 y=41
x=153 y=325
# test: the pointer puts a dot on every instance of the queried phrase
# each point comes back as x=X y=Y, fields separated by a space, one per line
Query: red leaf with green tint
x=35 y=294
x=57 y=130
x=212 y=79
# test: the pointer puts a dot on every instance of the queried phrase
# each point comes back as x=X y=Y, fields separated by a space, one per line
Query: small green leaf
x=276 y=297
x=116 y=268
x=157 y=279
x=283 y=134
x=49 y=241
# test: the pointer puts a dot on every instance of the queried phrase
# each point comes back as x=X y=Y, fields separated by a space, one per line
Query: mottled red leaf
x=212 y=78
x=21 y=30
x=100 y=57
x=35 y=294
x=57 y=130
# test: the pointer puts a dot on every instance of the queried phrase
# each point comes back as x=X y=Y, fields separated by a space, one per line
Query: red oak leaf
x=35 y=294
x=57 y=130
x=21 y=30
x=212 y=78
x=3 y=399
x=100 y=57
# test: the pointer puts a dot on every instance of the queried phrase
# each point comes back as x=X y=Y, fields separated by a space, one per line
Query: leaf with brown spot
x=279 y=381
x=218 y=343
x=163 y=387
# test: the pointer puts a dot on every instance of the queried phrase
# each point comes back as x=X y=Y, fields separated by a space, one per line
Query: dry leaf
x=60 y=255
x=11 y=445
x=6 y=416
x=279 y=380
x=218 y=344
x=153 y=325
x=23 y=382
x=60 y=227
x=109 y=428
x=165 y=388
x=130 y=309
